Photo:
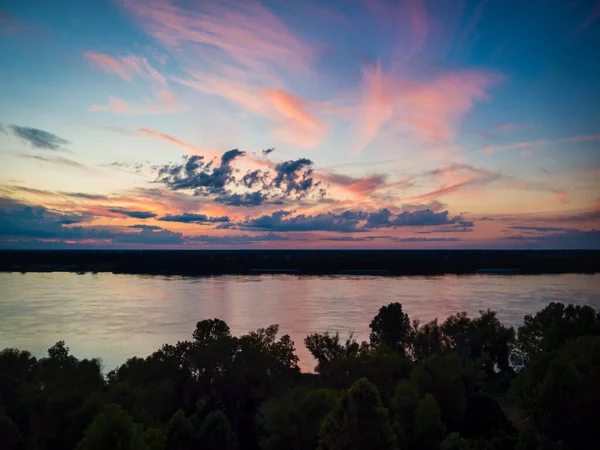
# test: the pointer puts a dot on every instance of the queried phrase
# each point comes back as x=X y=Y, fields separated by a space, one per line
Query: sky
x=314 y=124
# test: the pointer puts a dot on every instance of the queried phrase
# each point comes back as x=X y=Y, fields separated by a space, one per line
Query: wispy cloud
x=540 y=143
x=55 y=160
x=40 y=139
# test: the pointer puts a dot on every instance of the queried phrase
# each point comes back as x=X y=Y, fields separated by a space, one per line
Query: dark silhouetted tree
x=443 y=377
x=210 y=330
x=429 y=430
x=357 y=421
x=216 y=433
x=293 y=422
x=559 y=392
x=113 y=428
x=551 y=327
x=181 y=433
x=391 y=327
x=403 y=405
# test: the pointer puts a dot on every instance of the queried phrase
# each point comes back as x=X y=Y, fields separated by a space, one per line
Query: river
x=115 y=317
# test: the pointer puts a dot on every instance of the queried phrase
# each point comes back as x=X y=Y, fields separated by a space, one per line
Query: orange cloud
x=299 y=126
x=127 y=67
x=540 y=143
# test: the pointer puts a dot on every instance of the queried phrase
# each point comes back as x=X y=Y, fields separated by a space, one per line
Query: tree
x=402 y=408
x=293 y=422
x=443 y=378
x=181 y=433
x=210 y=330
x=327 y=347
x=358 y=421
x=113 y=428
x=391 y=327
x=216 y=432
x=9 y=432
x=427 y=340
x=560 y=393
x=428 y=424
x=551 y=327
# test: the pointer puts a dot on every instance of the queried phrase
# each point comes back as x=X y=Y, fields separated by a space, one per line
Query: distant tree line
x=461 y=384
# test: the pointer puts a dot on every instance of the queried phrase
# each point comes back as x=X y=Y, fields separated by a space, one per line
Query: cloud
x=149 y=236
x=145 y=227
x=350 y=221
x=217 y=179
x=20 y=221
x=268 y=151
x=540 y=143
x=39 y=138
x=344 y=222
x=84 y=195
x=127 y=67
x=237 y=240
x=55 y=160
x=570 y=239
x=428 y=110
x=540 y=229
x=164 y=102
x=193 y=218
x=133 y=214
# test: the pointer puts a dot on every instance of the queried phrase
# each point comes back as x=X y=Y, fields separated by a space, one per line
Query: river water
x=115 y=317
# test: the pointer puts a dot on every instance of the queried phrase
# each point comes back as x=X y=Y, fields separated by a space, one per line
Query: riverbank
x=302 y=262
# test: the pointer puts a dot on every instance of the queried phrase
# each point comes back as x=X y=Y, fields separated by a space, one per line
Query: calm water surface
x=115 y=317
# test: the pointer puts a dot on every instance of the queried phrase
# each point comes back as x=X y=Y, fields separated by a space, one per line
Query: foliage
x=552 y=327
x=429 y=430
x=391 y=328
x=293 y=421
x=357 y=421
x=560 y=394
x=216 y=433
x=439 y=381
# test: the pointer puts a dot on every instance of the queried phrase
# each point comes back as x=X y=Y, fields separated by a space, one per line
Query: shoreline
x=303 y=262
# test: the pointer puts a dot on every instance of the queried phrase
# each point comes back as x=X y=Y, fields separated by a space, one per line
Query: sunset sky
x=300 y=124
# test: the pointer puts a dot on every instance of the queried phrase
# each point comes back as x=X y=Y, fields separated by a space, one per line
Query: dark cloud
x=540 y=229
x=55 y=160
x=145 y=227
x=268 y=151
x=219 y=181
x=193 y=218
x=136 y=167
x=237 y=240
x=134 y=214
x=39 y=138
x=149 y=236
x=426 y=217
x=345 y=222
x=32 y=224
x=19 y=220
x=571 y=239
x=354 y=221
x=84 y=195
x=425 y=239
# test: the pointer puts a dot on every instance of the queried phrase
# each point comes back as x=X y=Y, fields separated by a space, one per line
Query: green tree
x=216 y=433
x=181 y=433
x=358 y=421
x=443 y=377
x=560 y=393
x=427 y=340
x=113 y=428
x=429 y=430
x=403 y=405
x=391 y=327
x=293 y=422
x=551 y=327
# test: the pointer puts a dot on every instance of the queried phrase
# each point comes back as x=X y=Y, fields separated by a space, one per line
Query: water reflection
x=119 y=316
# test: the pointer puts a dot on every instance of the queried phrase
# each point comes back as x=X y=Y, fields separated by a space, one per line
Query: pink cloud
x=165 y=103
x=127 y=67
x=300 y=126
x=246 y=32
x=428 y=110
x=540 y=143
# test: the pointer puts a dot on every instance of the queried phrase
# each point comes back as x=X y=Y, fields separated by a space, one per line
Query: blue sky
x=478 y=119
